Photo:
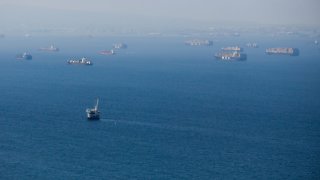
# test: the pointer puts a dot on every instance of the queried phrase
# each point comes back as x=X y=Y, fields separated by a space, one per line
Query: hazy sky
x=157 y=12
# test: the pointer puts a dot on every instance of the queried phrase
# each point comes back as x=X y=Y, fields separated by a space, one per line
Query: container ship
x=283 y=51
x=198 y=42
x=232 y=48
x=83 y=61
x=24 y=56
x=231 y=56
x=52 y=48
x=120 y=46
x=107 y=52
x=232 y=53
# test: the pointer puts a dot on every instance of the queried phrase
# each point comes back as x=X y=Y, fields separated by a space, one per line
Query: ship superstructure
x=93 y=113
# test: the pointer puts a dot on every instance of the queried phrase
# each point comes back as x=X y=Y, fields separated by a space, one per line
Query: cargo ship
x=83 y=61
x=52 y=48
x=198 y=42
x=232 y=48
x=231 y=56
x=231 y=53
x=120 y=46
x=24 y=56
x=252 y=45
x=93 y=113
x=107 y=52
x=283 y=51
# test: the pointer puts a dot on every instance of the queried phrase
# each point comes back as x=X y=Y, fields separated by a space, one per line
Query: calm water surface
x=169 y=111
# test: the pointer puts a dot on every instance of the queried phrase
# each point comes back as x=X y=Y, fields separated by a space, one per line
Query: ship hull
x=49 y=50
x=93 y=117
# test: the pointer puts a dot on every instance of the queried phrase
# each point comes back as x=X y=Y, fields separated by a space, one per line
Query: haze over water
x=168 y=111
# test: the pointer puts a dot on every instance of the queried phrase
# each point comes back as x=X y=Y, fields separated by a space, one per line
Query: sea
x=168 y=111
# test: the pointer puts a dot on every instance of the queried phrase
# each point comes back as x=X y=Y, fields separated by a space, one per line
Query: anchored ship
x=107 y=52
x=120 y=46
x=283 y=51
x=232 y=48
x=93 y=113
x=198 y=42
x=83 y=61
x=252 y=45
x=232 y=53
x=52 y=48
x=25 y=56
x=235 y=55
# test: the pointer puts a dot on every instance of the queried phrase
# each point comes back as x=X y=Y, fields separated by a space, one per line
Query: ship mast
x=96 y=106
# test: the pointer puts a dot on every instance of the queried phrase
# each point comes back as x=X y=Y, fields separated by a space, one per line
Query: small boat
x=93 y=113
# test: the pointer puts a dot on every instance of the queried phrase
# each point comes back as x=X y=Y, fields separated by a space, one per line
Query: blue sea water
x=169 y=111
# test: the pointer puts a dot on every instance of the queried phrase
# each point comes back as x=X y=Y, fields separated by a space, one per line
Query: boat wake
x=159 y=126
x=199 y=130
